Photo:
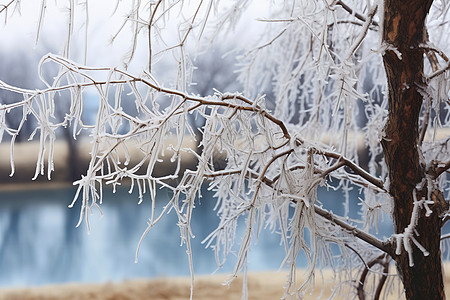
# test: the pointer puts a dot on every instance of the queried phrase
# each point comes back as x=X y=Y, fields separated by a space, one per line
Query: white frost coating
x=296 y=124
x=386 y=47
x=407 y=236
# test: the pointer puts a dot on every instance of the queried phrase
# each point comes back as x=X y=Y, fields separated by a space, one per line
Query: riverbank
x=70 y=164
x=262 y=286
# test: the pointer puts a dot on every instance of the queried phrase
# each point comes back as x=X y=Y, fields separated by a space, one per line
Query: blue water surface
x=39 y=243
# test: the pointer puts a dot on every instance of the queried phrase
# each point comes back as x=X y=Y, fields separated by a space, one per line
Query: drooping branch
x=92 y=82
x=383 y=278
x=253 y=106
x=383 y=260
x=341 y=162
x=368 y=238
x=432 y=58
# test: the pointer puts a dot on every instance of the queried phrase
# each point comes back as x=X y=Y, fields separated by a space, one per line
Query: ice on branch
x=407 y=239
x=308 y=119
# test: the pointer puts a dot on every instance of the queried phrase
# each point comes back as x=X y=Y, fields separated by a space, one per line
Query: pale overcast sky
x=19 y=31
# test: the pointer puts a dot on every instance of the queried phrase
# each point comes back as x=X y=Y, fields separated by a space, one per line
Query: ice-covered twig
x=357 y=169
x=366 y=237
x=407 y=237
x=441 y=168
x=352 y=12
x=363 y=33
x=445 y=236
x=438 y=72
x=382 y=260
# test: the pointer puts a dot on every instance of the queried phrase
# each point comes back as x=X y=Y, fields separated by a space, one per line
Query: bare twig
x=354 y=23
x=357 y=254
x=338 y=165
x=150 y=23
x=356 y=14
x=431 y=55
x=6 y=6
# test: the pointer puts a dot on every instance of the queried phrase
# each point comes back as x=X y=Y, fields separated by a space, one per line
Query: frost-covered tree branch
x=356 y=14
x=368 y=238
x=382 y=260
x=309 y=120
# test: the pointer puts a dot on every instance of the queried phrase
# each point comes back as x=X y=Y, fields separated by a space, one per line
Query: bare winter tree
x=316 y=56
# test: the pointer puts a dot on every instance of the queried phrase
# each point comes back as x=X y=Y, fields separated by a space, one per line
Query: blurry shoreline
x=261 y=285
x=267 y=285
x=69 y=163
x=71 y=160
x=12 y=187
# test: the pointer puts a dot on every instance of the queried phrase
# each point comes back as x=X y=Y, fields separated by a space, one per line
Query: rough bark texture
x=404 y=28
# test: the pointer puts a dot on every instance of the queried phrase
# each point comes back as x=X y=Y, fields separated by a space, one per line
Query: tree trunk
x=404 y=33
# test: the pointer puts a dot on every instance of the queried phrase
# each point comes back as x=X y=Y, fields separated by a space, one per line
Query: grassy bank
x=265 y=286
x=262 y=286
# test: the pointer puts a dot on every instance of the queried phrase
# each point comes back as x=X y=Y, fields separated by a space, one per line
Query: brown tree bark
x=404 y=33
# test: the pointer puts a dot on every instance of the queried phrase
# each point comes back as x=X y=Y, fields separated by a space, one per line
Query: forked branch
x=366 y=237
x=343 y=161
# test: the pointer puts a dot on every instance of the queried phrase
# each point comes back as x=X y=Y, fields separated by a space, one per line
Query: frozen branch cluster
x=407 y=238
x=314 y=97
